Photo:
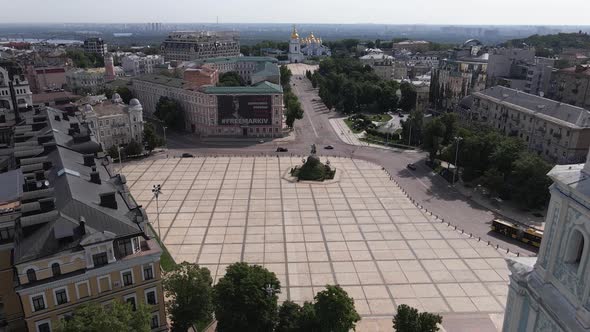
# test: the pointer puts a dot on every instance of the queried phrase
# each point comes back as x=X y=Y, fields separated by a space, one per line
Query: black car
x=279 y=149
x=187 y=155
x=329 y=147
x=411 y=166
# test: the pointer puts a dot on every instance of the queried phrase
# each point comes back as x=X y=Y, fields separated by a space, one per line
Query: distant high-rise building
x=194 y=45
x=95 y=45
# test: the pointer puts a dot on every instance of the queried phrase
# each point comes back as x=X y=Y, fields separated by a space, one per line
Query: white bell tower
x=295 y=54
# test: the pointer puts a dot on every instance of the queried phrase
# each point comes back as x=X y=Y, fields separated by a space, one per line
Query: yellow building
x=80 y=236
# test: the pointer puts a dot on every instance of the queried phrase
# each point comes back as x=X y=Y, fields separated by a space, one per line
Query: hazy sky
x=547 y=12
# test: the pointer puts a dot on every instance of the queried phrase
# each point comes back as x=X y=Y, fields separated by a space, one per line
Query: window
x=127 y=277
x=125 y=247
x=131 y=300
x=148 y=272
x=100 y=259
x=155 y=323
x=61 y=296
x=575 y=250
x=43 y=326
x=31 y=275
x=55 y=269
x=150 y=296
x=38 y=302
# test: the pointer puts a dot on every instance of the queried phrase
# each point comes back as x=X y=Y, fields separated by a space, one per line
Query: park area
x=360 y=231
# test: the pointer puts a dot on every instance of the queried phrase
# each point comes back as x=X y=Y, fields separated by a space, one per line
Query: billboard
x=244 y=110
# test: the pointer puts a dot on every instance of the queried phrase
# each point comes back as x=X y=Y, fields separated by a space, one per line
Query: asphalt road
x=427 y=189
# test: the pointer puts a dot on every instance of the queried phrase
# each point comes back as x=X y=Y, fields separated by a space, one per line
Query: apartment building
x=80 y=237
x=558 y=132
x=193 y=45
x=572 y=86
x=252 y=69
x=14 y=87
x=135 y=64
x=95 y=45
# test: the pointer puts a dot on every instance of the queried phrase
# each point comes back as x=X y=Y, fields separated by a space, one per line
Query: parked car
x=187 y=155
x=329 y=147
x=280 y=149
x=261 y=141
x=411 y=166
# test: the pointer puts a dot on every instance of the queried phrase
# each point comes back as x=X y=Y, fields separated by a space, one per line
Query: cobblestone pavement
x=360 y=231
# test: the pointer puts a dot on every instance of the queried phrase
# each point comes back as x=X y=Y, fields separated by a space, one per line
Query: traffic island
x=313 y=170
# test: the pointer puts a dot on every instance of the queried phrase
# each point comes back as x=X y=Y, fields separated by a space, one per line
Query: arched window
x=55 y=269
x=31 y=275
x=575 y=249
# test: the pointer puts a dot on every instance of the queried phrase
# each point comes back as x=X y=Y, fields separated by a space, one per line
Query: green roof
x=165 y=80
x=267 y=69
x=260 y=88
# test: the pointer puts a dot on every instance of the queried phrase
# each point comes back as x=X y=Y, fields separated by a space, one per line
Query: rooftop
x=260 y=88
x=548 y=109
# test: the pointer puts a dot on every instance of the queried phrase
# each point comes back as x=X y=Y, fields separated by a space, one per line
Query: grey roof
x=11 y=186
x=547 y=109
x=260 y=88
x=165 y=80
x=74 y=196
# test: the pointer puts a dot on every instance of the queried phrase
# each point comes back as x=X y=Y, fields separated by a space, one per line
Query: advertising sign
x=244 y=110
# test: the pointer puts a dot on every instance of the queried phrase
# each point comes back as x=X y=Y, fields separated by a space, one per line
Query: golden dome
x=294 y=34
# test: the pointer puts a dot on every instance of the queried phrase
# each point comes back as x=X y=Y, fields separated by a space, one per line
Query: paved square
x=360 y=231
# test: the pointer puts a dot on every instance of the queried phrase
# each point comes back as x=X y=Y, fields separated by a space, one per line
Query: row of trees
x=293 y=109
x=350 y=87
x=85 y=60
x=170 y=112
x=501 y=163
x=230 y=78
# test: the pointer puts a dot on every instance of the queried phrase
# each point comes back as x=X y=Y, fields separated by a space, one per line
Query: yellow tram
x=527 y=235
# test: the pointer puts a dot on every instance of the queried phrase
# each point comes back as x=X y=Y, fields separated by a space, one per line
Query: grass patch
x=391 y=143
x=380 y=117
x=167 y=263
x=350 y=123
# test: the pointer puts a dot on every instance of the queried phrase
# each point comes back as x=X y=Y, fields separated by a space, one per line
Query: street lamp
x=458 y=140
x=165 y=142
x=157 y=190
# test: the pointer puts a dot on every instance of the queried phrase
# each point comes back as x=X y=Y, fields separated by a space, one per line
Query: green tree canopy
x=150 y=138
x=408 y=101
x=433 y=135
x=230 y=78
x=245 y=299
x=125 y=94
x=334 y=310
x=133 y=148
x=408 y=319
x=170 y=111
x=285 y=76
x=189 y=292
x=117 y=316
x=293 y=109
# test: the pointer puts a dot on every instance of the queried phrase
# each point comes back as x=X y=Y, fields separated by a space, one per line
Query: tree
x=413 y=126
x=408 y=100
x=189 y=292
x=113 y=151
x=117 y=316
x=245 y=299
x=285 y=76
x=170 y=111
x=133 y=148
x=290 y=317
x=493 y=179
x=529 y=181
x=125 y=94
x=150 y=138
x=335 y=310
x=230 y=78
x=450 y=122
x=434 y=132
x=506 y=153
x=408 y=319
x=293 y=109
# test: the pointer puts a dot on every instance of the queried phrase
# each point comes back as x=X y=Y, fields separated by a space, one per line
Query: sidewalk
x=505 y=208
x=348 y=137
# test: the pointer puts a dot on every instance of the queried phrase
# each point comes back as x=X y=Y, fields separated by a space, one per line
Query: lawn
x=349 y=123
x=380 y=117
x=166 y=261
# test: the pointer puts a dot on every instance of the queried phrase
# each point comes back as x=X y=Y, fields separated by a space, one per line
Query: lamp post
x=410 y=136
x=165 y=142
x=458 y=140
x=156 y=190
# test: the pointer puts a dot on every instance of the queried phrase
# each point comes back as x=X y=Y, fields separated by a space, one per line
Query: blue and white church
x=303 y=48
x=552 y=292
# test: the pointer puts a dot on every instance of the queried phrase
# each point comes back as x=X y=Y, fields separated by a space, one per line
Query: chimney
x=108 y=200
x=95 y=176
x=71 y=131
x=46 y=204
x=65 y=117
x=49 y=146
x=89 y=160
x=82 y=225
x=39 y=175
x=57 y=118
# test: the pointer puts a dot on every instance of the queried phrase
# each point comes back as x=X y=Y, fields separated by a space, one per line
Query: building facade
x=558 y=132
x=552 y=291
x=254 y=111
x=194 y=45
x=14 y=87
x=113 y=122
x=95 y=46
x=572 y=86
x=80 y=236
x=459 y=75
x=135 y=65
x=46 y=78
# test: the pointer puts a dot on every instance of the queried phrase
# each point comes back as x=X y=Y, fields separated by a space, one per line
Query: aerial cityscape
x=264 y=166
